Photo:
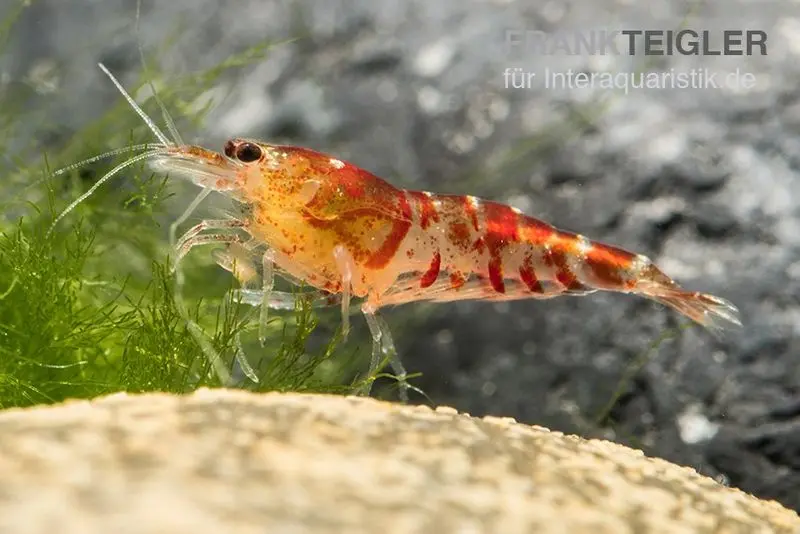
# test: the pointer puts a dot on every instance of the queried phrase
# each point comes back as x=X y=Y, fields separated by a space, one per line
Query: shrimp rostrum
x=347 y=233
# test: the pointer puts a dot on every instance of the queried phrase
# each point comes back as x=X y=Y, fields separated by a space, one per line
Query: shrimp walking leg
x=201 y=338
x=240 y=359
x=195 y=330
x=173 y=228
x=282 y=300
x=235 y=259
x=344 y=262
x=382 y=343
x=383 y=348
x=206 y=239
x=267 y=285
x=225 y=224
x=276 y=300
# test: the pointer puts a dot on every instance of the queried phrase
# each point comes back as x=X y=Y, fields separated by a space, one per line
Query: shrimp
x=331 y=225
x=346 y=231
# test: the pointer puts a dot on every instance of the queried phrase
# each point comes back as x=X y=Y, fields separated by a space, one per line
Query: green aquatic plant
x=89 y=308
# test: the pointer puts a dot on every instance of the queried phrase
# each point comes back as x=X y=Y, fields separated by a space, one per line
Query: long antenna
x=147 y=120
x=164 y=113
x=110 y=174
x=88 y=161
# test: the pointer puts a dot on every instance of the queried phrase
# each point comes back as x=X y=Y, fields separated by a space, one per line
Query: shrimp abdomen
x=478 y=249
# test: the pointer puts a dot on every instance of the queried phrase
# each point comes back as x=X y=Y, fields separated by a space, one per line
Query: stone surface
x=703 y=181
x=229 y=461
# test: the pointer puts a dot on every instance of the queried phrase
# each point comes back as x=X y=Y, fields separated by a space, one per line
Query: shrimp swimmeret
x=322 y=221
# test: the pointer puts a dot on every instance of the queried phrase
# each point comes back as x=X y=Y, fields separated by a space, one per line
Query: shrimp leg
x=267 y=285
x=235 y=260
x=173 y=228
x=382 y=348
x=276 y=300
x=344 y=261
x=382 y=343
x=187 y=242
x=188 y=239
x=282 y=300
x=206 y=239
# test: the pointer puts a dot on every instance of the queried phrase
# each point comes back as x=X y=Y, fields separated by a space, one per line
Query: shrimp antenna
x=110 y=174
x=100 y=157
x=87 y=161
x=164 y=113
x=151 y=149
x=147 y=120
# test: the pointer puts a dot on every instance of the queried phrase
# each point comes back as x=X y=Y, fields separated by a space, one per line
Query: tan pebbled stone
x=229 y=461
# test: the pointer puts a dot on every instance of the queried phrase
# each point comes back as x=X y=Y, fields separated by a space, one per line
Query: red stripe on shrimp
x=432 y=273
x=426 y=207
x=400 y=227
x=528 y=275
x=608 y=265
x=470 y=205
x=564 y=250
x=501 y=229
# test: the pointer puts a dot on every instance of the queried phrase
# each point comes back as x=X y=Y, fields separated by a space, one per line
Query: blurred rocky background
x=703 y=181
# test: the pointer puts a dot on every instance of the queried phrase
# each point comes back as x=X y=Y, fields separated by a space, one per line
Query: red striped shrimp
x=349 y=234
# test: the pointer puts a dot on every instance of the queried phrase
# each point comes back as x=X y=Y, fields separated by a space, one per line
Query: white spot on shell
x=584 y=245
x=640 y=262
x=309 y=190
x=271 y=159
x=337 y=163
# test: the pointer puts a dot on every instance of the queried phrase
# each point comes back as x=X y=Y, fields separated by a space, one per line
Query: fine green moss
x=89 y=309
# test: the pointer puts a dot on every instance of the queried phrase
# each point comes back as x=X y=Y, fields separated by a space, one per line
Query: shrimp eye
x=248 y=152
